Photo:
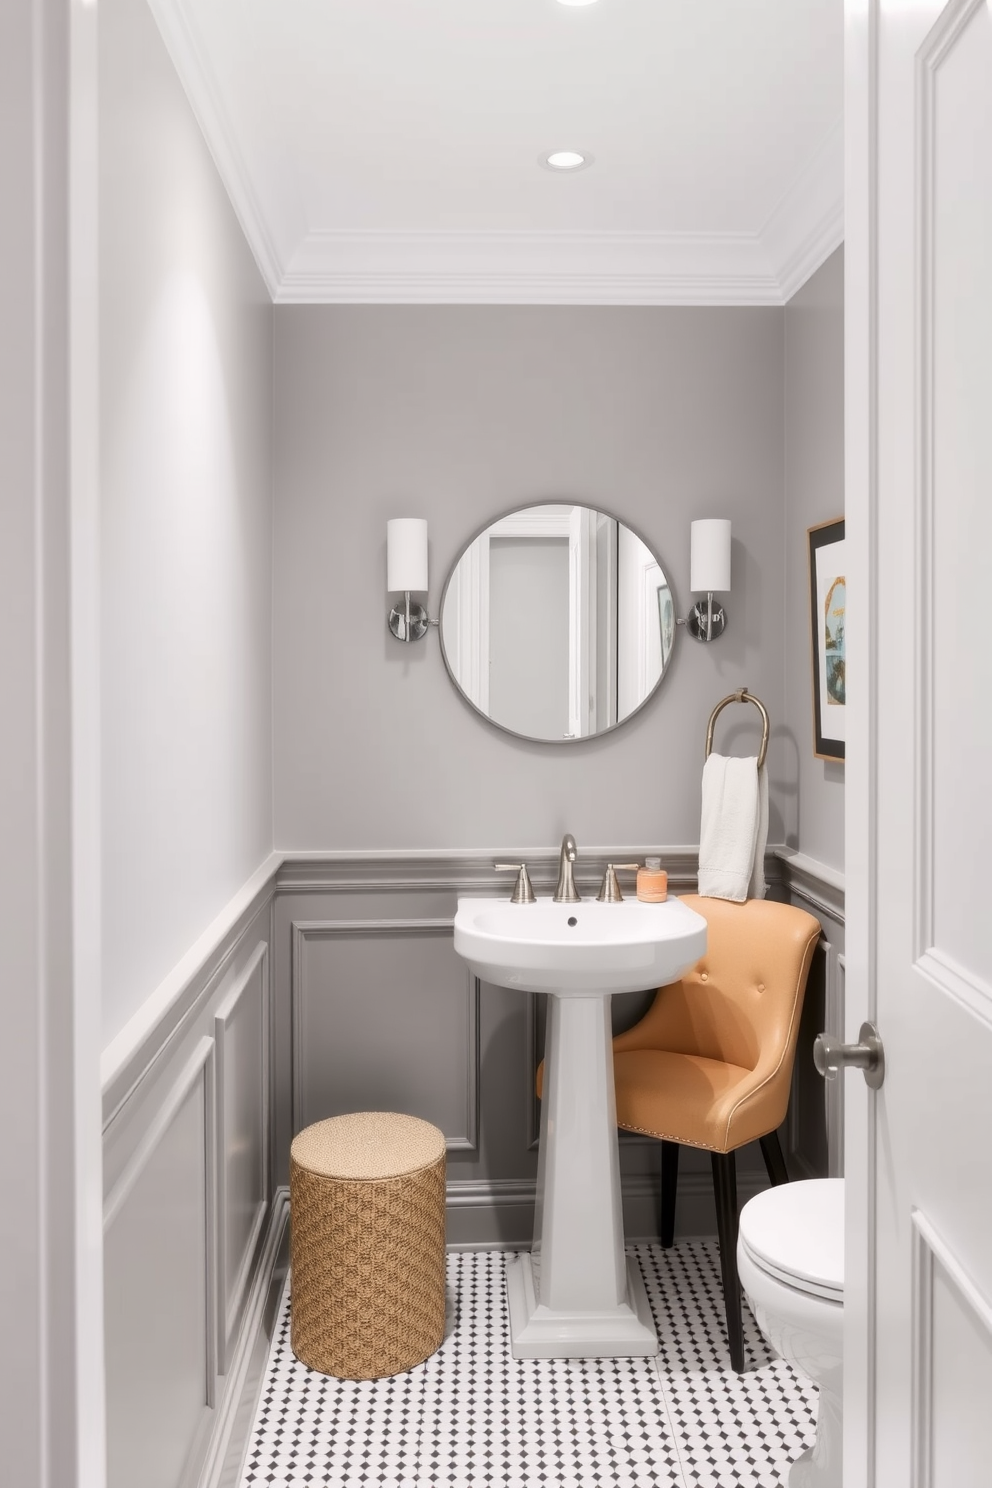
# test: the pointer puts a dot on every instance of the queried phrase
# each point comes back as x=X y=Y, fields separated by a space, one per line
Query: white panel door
x=918 y=1348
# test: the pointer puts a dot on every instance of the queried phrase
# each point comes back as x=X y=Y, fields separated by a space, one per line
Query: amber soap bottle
x=652 y=882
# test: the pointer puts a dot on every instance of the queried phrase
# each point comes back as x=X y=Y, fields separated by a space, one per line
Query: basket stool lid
x=368 y=1145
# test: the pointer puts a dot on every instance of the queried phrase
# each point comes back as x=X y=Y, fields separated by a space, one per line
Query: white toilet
x=790 y=1256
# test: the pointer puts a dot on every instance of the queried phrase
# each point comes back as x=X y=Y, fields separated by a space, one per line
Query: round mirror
x=557 y=622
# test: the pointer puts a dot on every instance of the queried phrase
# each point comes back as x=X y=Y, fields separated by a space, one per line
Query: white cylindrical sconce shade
x=406 y=554
x=709 y=547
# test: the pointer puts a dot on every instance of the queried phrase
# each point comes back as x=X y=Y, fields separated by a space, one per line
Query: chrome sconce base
x=706 y=620
x=409 y=621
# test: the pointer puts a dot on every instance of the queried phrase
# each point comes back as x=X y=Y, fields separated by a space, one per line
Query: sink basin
x=585 y=948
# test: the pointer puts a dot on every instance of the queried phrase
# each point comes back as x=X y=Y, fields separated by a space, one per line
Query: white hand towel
x=756 y=889
x=733 y=829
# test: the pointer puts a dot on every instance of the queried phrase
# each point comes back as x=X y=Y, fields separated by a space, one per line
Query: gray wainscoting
x=385 y=1017
x=814 y=1133
x=373 y=1008
x=335 y=988
x=192 y=1223
x=161 y=1335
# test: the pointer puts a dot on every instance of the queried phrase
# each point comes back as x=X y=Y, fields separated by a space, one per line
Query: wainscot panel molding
x=814 y=1130
x=389 y=1016
x=815 y=884
x=192 y=1228
x=235 y=1412
x=160 y=1286
x=242 y=1037
x=168 y=1012
x=465 y=871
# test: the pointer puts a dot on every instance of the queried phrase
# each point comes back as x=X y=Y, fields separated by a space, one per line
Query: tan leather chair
x=710 y=1063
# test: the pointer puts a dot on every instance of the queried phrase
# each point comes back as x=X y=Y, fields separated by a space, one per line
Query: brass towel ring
x=741 y=696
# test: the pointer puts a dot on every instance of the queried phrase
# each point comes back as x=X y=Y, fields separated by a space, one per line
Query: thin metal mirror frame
x=538 y=738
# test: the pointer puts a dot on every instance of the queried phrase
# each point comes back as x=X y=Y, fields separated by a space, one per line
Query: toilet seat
x=795 y=1234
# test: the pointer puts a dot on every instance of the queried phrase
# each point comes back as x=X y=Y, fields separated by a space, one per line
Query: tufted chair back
x=739 y=1006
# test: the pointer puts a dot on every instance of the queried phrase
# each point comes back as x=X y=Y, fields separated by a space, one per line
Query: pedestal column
x=575 y=1295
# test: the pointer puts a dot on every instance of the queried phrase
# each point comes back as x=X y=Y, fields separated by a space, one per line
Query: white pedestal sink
x=575 y=1296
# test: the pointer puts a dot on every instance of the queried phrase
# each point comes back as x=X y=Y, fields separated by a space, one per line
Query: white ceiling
x=386 y=150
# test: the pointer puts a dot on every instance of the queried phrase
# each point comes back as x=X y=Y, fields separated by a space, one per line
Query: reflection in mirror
x=557 y=622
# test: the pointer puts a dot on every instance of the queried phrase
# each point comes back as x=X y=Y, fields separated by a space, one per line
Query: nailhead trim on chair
x=645 y=1131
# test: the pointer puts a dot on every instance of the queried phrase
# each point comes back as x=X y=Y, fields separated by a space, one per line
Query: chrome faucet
x=565 y=893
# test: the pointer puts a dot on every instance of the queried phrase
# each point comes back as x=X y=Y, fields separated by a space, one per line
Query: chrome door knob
x=830 y=1055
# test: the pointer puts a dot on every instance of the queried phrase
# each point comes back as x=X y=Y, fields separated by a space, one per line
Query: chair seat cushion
x=686 y=1098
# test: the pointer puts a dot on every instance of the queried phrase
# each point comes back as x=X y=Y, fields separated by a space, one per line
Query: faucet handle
x=523 y=892
x=609 y=892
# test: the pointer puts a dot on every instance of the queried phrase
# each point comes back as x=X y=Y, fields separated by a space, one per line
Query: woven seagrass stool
x=366 y=1195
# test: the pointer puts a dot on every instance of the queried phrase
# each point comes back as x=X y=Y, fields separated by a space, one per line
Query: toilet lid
x=796 y=1233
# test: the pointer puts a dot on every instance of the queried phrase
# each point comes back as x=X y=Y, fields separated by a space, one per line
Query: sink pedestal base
x=575 y=1296
x=538 y=1332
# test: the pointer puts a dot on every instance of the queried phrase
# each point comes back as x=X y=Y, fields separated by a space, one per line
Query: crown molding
x=604 y=268
x=320 y=266
x=807 y=223
x=562 y=268
x=183 y=44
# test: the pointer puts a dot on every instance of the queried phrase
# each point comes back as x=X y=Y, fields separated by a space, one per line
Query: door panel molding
x=957 y=982
x=931 y=1252
x=941 y=41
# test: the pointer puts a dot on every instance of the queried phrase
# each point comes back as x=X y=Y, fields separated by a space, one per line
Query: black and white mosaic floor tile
x=733 y=1430
x=490 y=1418
x=475 y=1417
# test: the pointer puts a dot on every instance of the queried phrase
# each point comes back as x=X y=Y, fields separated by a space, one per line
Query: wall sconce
x=709 y=572
x=406 y=571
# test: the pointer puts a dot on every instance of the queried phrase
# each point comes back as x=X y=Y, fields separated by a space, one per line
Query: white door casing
x=918 y=1296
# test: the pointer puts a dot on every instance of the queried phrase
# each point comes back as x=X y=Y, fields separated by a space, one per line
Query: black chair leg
x=725 y=1188
x=771 y=1151
x=669 y=1186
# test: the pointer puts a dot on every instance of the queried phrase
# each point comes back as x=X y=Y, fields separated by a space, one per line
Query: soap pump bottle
x=652 y=882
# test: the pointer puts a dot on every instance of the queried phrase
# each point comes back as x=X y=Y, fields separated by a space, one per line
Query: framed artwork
x=828 y=618
x=666 y=619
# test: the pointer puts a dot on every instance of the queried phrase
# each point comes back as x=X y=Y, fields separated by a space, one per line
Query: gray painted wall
x=814 y=493
x=457 y=414
x=186 y=494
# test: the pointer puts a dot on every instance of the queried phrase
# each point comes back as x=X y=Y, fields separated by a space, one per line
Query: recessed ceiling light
x=564 y=160
x=576 y=2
